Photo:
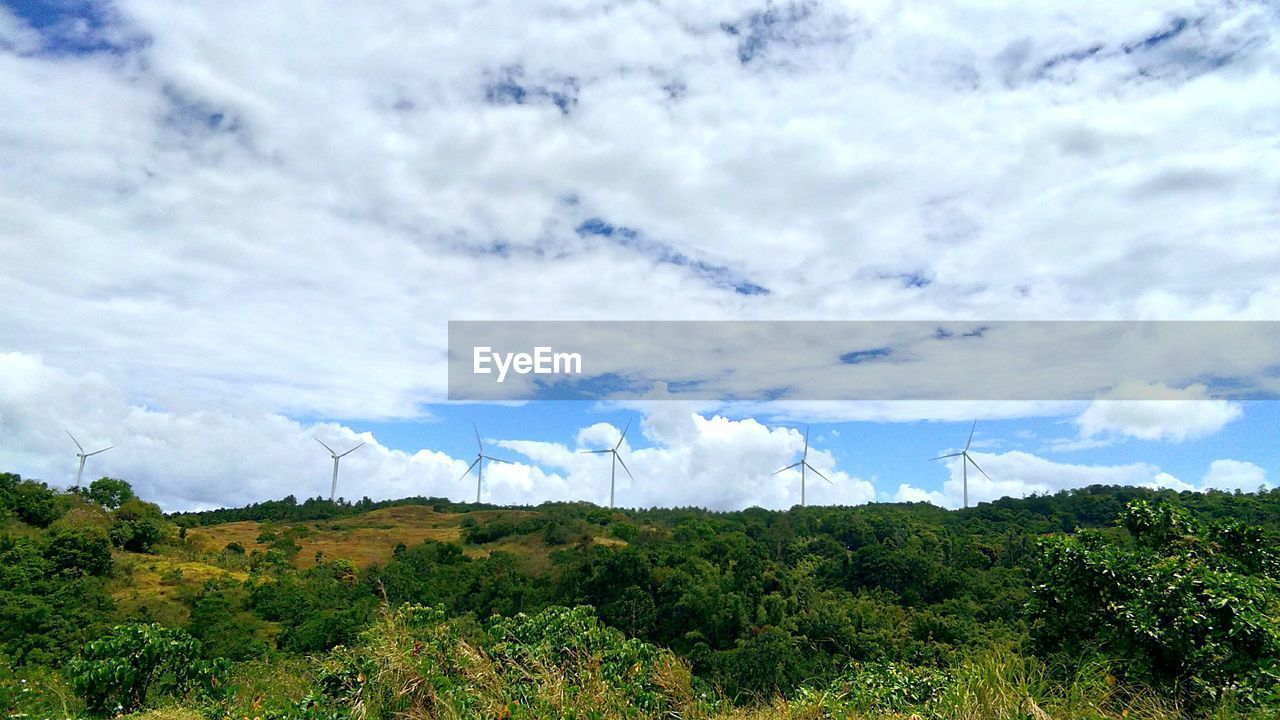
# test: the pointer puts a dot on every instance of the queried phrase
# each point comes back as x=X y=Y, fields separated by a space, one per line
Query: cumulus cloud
x=1173 y=414
x=236 y=455
x=1019 y=474
x=199 y=458
x=1235 y=475
x=697 y=460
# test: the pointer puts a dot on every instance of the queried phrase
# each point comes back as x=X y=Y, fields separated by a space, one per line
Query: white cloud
x=1165 y=481
x=237 y=455
x=697 y=460
x=910 y=493
x=1018 y=474
x=287 y=207
x=259 y=213
x=1172 y=414
x=199 y=458
x=1235 y=475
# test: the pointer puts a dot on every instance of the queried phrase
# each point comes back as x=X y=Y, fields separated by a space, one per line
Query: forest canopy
x=1172 y=599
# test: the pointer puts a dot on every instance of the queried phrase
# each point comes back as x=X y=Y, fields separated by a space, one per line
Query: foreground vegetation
x=1099 y=603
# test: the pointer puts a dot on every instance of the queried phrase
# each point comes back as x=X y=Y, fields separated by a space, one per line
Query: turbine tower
x=82 y=454
x=333 y=485
x=617 y=459
x=965 y=461
x=804 y=463
x=478 y=463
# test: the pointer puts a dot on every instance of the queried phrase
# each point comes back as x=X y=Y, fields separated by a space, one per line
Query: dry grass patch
x=156 y=582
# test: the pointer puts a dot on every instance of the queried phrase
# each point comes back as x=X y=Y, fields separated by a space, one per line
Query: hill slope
x=813 y=612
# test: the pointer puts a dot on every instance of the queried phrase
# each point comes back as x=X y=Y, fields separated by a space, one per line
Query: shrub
x=34 y=503
x=1183 y=609
x=892 y=687
x=83 y=550
x=623 y=531
x=118 y=672
x=138 y=526
x=558 y=663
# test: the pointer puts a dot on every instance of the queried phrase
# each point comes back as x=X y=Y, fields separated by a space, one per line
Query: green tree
x=110 y=492
x=34 y=503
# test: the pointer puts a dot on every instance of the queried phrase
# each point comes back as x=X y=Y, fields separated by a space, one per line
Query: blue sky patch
x=719 y=275
x=510 y=87
x=861 y=356
x=74 y=27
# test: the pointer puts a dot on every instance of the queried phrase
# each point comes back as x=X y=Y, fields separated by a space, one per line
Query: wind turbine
x=804 y=463
x=964 y=463
x=82 y=454
x=333 y=486
x=617 y=459
x=478 y=463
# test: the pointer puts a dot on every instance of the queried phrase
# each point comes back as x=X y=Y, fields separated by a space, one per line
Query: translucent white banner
x=862 y=360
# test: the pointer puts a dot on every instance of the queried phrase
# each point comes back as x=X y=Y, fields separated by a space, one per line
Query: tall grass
x=562 y=664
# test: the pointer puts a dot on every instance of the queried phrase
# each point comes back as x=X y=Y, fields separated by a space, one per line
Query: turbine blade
x=775 y=472
x=95 y=452
x=326 y=447
x=975 y=427
x=478 y=443
x=494 y=459
x=969 y=457
x=74 y=440
x=624 y=466
x=623 y=435
x=352 y=450
x=593 y=452
x=806 y=443
x=942 y=457
x=469 y=468
x=824 y=477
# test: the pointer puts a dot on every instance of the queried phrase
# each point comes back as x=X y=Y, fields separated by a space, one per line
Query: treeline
x=288 y=509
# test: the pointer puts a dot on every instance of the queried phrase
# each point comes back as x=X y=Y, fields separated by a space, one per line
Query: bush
x=138 y=526
x=34 y=503
x=623 y=531
x=892 y=687
x=558 y=663
x=83 y=550
x=117 y=673
x=1184 y=610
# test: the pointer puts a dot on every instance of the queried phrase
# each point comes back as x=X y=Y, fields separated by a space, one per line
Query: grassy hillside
x=1105 y=603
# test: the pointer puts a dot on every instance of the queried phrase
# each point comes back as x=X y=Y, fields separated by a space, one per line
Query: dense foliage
x=1190 y=607
x=119 y=671
x=1137 y=596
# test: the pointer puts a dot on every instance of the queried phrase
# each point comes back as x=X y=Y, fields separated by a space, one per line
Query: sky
x=229 y=228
